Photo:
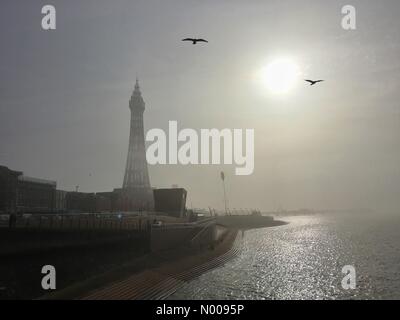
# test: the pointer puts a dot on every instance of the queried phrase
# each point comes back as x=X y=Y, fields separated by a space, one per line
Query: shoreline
x=156 y=275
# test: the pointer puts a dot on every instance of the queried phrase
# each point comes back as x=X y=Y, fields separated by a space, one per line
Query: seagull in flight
x=194 y=41
x=313 y=82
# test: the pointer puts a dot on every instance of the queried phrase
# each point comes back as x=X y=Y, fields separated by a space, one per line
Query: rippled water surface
x=304 y=260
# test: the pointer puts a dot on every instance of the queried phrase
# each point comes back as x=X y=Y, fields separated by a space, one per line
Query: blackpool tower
x=136 y=190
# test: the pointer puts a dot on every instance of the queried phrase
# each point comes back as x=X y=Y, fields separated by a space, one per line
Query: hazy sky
x=64 y=95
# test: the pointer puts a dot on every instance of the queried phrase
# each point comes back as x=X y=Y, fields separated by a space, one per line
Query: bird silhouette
x=194 y=41
x=312 y=82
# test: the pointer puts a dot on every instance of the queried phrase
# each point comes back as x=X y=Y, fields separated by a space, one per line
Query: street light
x=223 y=183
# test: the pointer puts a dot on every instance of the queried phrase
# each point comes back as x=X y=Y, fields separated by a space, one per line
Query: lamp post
x=223 y=183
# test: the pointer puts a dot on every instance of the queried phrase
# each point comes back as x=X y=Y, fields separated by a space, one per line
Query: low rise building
x=170 y=201
x=22 y=194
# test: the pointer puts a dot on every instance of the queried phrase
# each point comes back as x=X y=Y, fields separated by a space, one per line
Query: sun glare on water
x=280 y=76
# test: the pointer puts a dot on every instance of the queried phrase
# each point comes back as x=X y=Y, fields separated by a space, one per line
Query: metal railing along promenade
x=78 y=221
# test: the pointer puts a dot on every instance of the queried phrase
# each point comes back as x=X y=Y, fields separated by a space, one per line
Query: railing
x=109 y=221
x=180 y=225
x=79 y=222
x=229 y=212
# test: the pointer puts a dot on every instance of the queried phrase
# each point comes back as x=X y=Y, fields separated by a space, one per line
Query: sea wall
x=76 y=255
x=28 y=241
x=196 y=237
x=248 y=222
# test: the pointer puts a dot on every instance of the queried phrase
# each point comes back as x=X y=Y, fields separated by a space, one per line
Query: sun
x=280 y=76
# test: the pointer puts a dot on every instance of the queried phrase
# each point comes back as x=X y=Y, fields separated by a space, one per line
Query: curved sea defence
x=249 y=222
x=160 y=274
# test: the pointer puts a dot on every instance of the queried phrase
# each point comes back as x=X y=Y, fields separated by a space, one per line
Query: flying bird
x=194 y=41
x=312 y=82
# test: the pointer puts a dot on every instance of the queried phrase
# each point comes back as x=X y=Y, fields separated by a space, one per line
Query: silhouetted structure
x=22 y=194
x=19 y=193
x=8 y=189
x=136 y=193
x=170 y=201
x=60 y=205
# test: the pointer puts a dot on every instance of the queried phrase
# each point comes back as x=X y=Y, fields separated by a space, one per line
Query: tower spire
x=136 y=92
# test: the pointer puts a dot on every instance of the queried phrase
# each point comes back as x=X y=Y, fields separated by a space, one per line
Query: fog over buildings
x=64 y=96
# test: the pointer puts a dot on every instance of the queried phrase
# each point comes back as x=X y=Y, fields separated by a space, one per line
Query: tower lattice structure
x=136 y=190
